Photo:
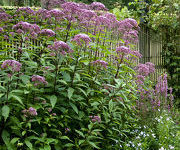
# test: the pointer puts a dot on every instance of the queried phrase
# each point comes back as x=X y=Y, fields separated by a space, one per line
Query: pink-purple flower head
x=38 y=80
x=32 y=111
x=162 y=85
x=47 y=32
x=26 y=27
x=58 y=14
x=151 y=67
x=4 y=16
x=86 y=15
x=136 y=53
x=13 y=64
x=59 y=46
x=53 y=3
x=95 y=118
x=123 y=49
x=140 y=79
x=97 y=6
x=146 y=69
x=101 y=63
x=25 y=11
x=81 y=39
x=143 y=69
x=1 y=30
x=29 y=112
x=70 y=7
x=43 y=14
x=111 y=19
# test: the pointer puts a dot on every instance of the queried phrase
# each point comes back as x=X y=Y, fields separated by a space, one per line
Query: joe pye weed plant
x=68 y=79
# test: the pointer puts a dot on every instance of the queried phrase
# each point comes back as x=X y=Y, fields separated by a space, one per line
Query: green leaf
x=5 y=111
x=16 y=98
x=14 y=140
x=81 y=141
x=28 y=143
x=5 y=136
x=2 y=89
x=111 y=105
x=74 y=107
x=1 y=95
x=80 y=133
x=70 y=92
x=93 y=145
x=69 y=145
x=53 y=100
x=65 y=138
x=47 y=147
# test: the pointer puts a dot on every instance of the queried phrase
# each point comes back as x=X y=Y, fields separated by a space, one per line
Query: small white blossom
x=171 y=147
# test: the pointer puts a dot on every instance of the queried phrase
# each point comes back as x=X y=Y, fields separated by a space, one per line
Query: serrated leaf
x=70 y=92
x=63 y=82
x=81 y=141
x=80 y=133
x=53 y=100
x=5 y=111
x=28 y=144
x=110 y=106
x=16 y=98
x=74 y=107
x=93 y=145
x=2 y=89
x=65 y=138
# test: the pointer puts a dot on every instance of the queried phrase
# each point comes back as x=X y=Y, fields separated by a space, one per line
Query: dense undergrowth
x=70 y=80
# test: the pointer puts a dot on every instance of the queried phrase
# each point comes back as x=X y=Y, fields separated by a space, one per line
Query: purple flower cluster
x=95 y=118
x=151 y=67
x=49 y=4
x=38 y=80
x=98 y=6
x=47 y=32
x=81 y=39
x=101 y=62
x=162 y=85
x=15 y=65
x=1 y=30
x=123 y=49
x=146 y=69
x=128 y=28
x=4 y=17
x=137 y=54
x=23 y=27
x=58 y=14
x=59 y=47
x=140 y=79
x=25 y=11
x=43 y=14
x=29 y=112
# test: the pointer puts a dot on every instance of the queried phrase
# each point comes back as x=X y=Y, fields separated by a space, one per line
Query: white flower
x=127 y=144
x=171 y=147
x=139 y=144
x=162 y=148
x=153 y=135
x=137 y=137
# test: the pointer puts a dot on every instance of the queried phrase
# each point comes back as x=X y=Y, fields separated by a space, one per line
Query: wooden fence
x=150 y=46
